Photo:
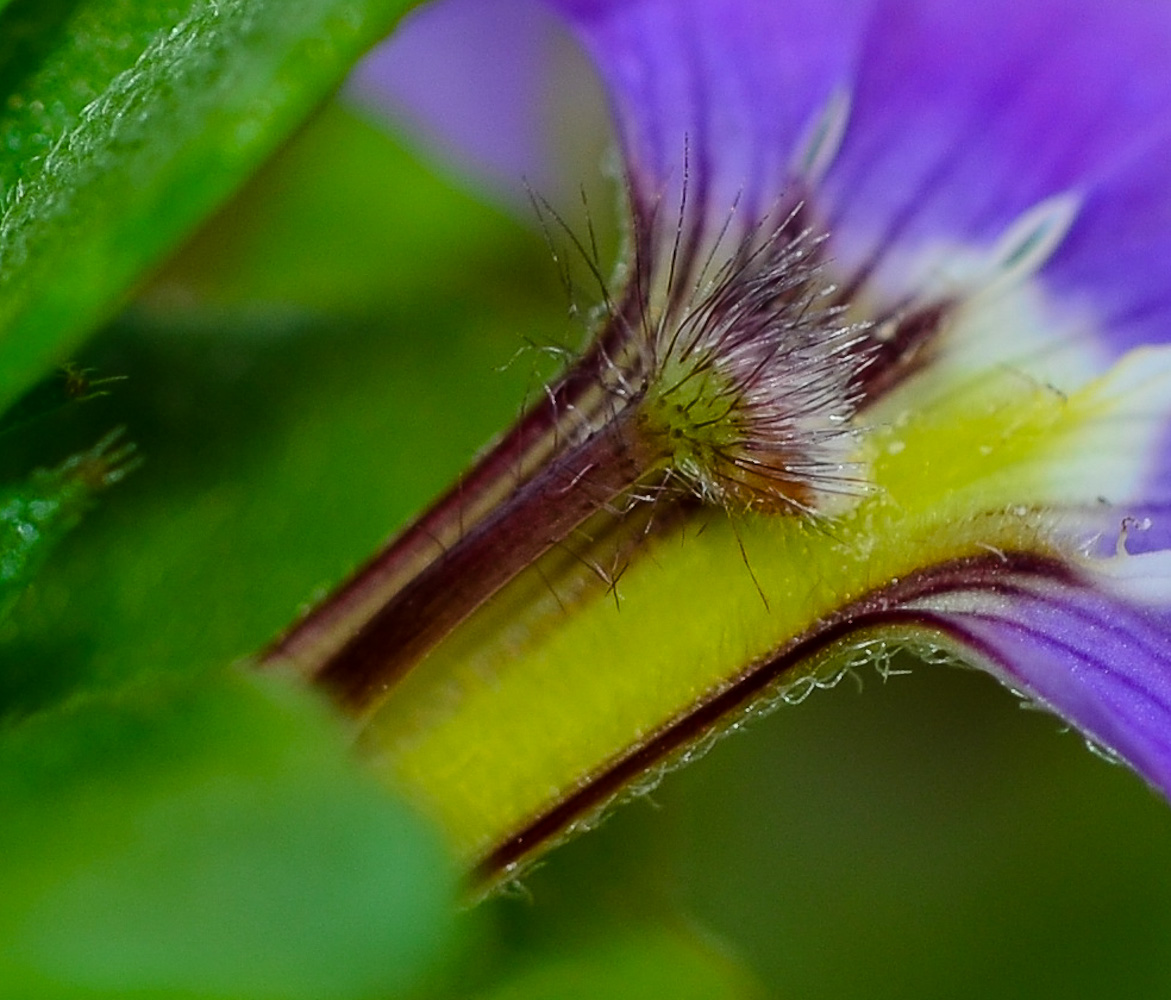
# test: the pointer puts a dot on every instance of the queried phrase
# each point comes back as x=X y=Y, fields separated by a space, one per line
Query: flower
x=886 y=367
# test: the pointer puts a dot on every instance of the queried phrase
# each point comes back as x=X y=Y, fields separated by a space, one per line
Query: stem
x=569 y=411
x=431 y=595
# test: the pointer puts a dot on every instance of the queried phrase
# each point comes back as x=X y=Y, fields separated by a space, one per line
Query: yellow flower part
x=515 y=714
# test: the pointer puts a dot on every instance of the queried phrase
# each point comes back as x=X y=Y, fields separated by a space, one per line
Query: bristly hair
x=736 y=354
x=752 y=375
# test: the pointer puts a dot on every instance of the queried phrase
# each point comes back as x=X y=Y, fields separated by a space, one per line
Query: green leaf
x=209 y=840
x=122 y=123
x=641 y=963
x=280 y=448
x=324 y=228
x=179 y=838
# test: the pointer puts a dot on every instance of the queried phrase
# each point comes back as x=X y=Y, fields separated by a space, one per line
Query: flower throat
x=727 y=378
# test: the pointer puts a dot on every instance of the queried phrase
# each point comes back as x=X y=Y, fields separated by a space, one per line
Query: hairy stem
x=455 y=558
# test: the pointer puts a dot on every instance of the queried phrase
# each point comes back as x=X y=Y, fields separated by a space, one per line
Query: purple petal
x=967 y=115
x=1088 y=649
x=964 y=117
x=733 y=85
x=1113 y=258
x=489 y=86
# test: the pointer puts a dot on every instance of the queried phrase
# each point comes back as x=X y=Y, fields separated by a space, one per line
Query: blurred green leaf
x=608 y=924
x=169 y=830
x=325 y=228
x=122 y=122
x=280 y=447
x=207 y=840
x=642 y=963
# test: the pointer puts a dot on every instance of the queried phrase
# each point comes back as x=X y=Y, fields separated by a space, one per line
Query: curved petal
x=1090 y=649
x=968 y=115
x=1110 y=262
x=954 y=120
x=732 y=86
x=499 y=89
x=998 y=159
x=963 y=118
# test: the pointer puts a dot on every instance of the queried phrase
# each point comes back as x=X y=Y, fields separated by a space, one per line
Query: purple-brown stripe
x=883 y=607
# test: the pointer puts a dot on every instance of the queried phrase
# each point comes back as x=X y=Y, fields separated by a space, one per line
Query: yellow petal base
x=513 y=713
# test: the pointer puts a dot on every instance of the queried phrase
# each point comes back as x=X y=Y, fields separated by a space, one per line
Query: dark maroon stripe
x=455 y=512
x=882 y=607
x=906 y=351
x=536 y=517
